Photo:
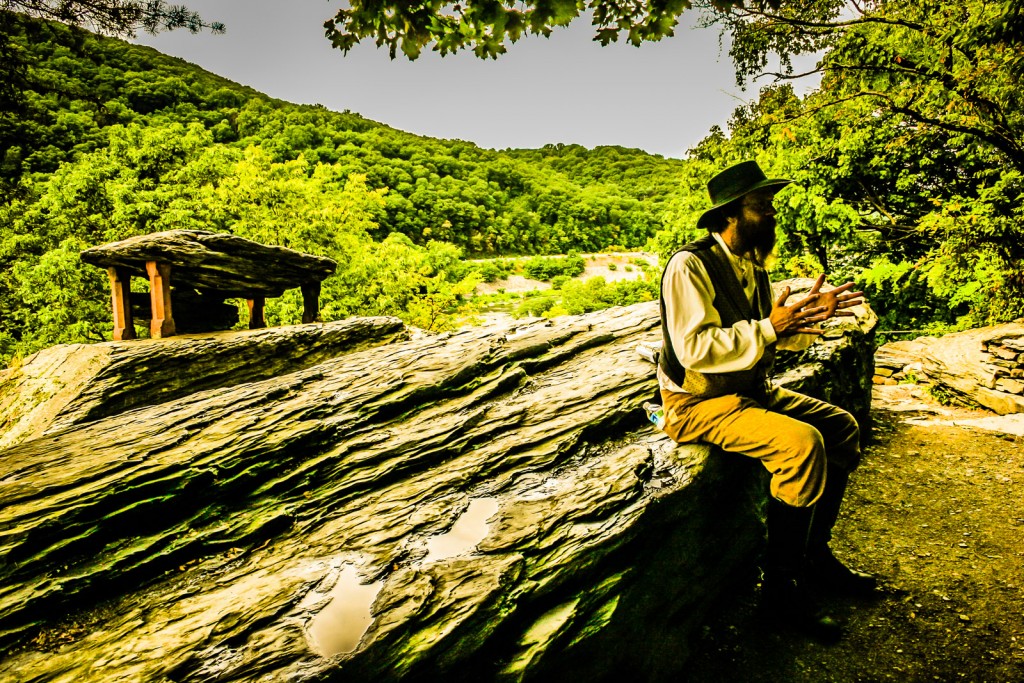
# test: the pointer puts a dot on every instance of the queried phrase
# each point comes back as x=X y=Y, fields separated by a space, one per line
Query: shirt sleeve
x=698 y=338
x=795 y=342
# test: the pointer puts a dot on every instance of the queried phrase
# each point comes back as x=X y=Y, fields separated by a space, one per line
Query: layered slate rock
x=73 y=383
x=980 y=367
x=482 y=506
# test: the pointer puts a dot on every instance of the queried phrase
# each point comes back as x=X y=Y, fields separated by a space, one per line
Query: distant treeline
x=86 y=94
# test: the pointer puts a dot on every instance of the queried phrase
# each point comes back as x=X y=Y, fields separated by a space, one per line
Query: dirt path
x=936 y=510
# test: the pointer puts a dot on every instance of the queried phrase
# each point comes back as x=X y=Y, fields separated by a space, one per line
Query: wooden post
x=256 y=320
x=162 y=322
x=311 y=302
x=121 y=298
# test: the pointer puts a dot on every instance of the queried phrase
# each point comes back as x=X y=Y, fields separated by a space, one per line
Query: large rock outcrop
x=488 y=505
x=194 y=272
x=73 y=383
x=980 y=367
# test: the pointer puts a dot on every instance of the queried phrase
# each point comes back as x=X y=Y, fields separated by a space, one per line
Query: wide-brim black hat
x=735 y=182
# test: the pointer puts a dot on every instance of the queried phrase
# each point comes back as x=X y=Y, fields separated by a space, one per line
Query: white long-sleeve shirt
x=695 y=327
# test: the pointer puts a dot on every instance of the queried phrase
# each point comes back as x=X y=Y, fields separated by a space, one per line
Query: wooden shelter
x=215 y=265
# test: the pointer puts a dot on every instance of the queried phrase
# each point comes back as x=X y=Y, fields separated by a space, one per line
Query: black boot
x=785 y=598
x=824 y=570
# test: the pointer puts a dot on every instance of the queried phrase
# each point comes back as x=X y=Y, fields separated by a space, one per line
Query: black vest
x=732 y=306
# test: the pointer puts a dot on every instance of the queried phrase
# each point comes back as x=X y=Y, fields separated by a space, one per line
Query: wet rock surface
x=74 y=383
x=485 y=505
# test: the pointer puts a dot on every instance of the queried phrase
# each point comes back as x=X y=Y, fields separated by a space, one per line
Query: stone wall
x=983 y=367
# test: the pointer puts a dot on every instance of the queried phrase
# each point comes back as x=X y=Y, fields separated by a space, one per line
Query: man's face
x=756 y=225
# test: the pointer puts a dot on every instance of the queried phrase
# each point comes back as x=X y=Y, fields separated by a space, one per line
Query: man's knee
x=798 y=474
x=802 y=446
x=808 y=442
x=845 y=452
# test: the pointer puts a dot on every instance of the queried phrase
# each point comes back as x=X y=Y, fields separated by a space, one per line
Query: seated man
x=721 y=327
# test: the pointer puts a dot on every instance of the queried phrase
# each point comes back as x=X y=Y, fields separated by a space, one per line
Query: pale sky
x=661 y=97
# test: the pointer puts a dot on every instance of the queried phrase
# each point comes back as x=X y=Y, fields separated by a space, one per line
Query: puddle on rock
x=339 y=626
x=469 y=529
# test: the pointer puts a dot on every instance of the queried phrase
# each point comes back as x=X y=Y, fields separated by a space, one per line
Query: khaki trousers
x=795 y=437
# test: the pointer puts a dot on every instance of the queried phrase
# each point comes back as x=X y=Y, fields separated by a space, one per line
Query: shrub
x=596 y=294
x=534 y=305
x=489 y=271
x=555 y=311
x=547 y=267
x=492 y=270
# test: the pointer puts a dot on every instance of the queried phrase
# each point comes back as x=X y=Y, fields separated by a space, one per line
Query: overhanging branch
x=1006 y=145
x=829 y=25
x=779 y=76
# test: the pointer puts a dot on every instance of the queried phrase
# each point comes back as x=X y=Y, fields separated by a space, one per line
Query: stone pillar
x=311 y=302
x=162 y=322
x=256 y=320
x=121 y=295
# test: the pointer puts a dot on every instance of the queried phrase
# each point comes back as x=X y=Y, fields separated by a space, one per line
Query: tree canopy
x=114 y=17
x=485 y=26
x=954 y=67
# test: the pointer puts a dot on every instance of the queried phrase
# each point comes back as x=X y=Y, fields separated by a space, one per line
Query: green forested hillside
x=653 y=179
x=908 y=161
x=84 y=89
x=109 y=139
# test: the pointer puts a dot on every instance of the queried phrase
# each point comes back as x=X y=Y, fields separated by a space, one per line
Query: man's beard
x=756 y=238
